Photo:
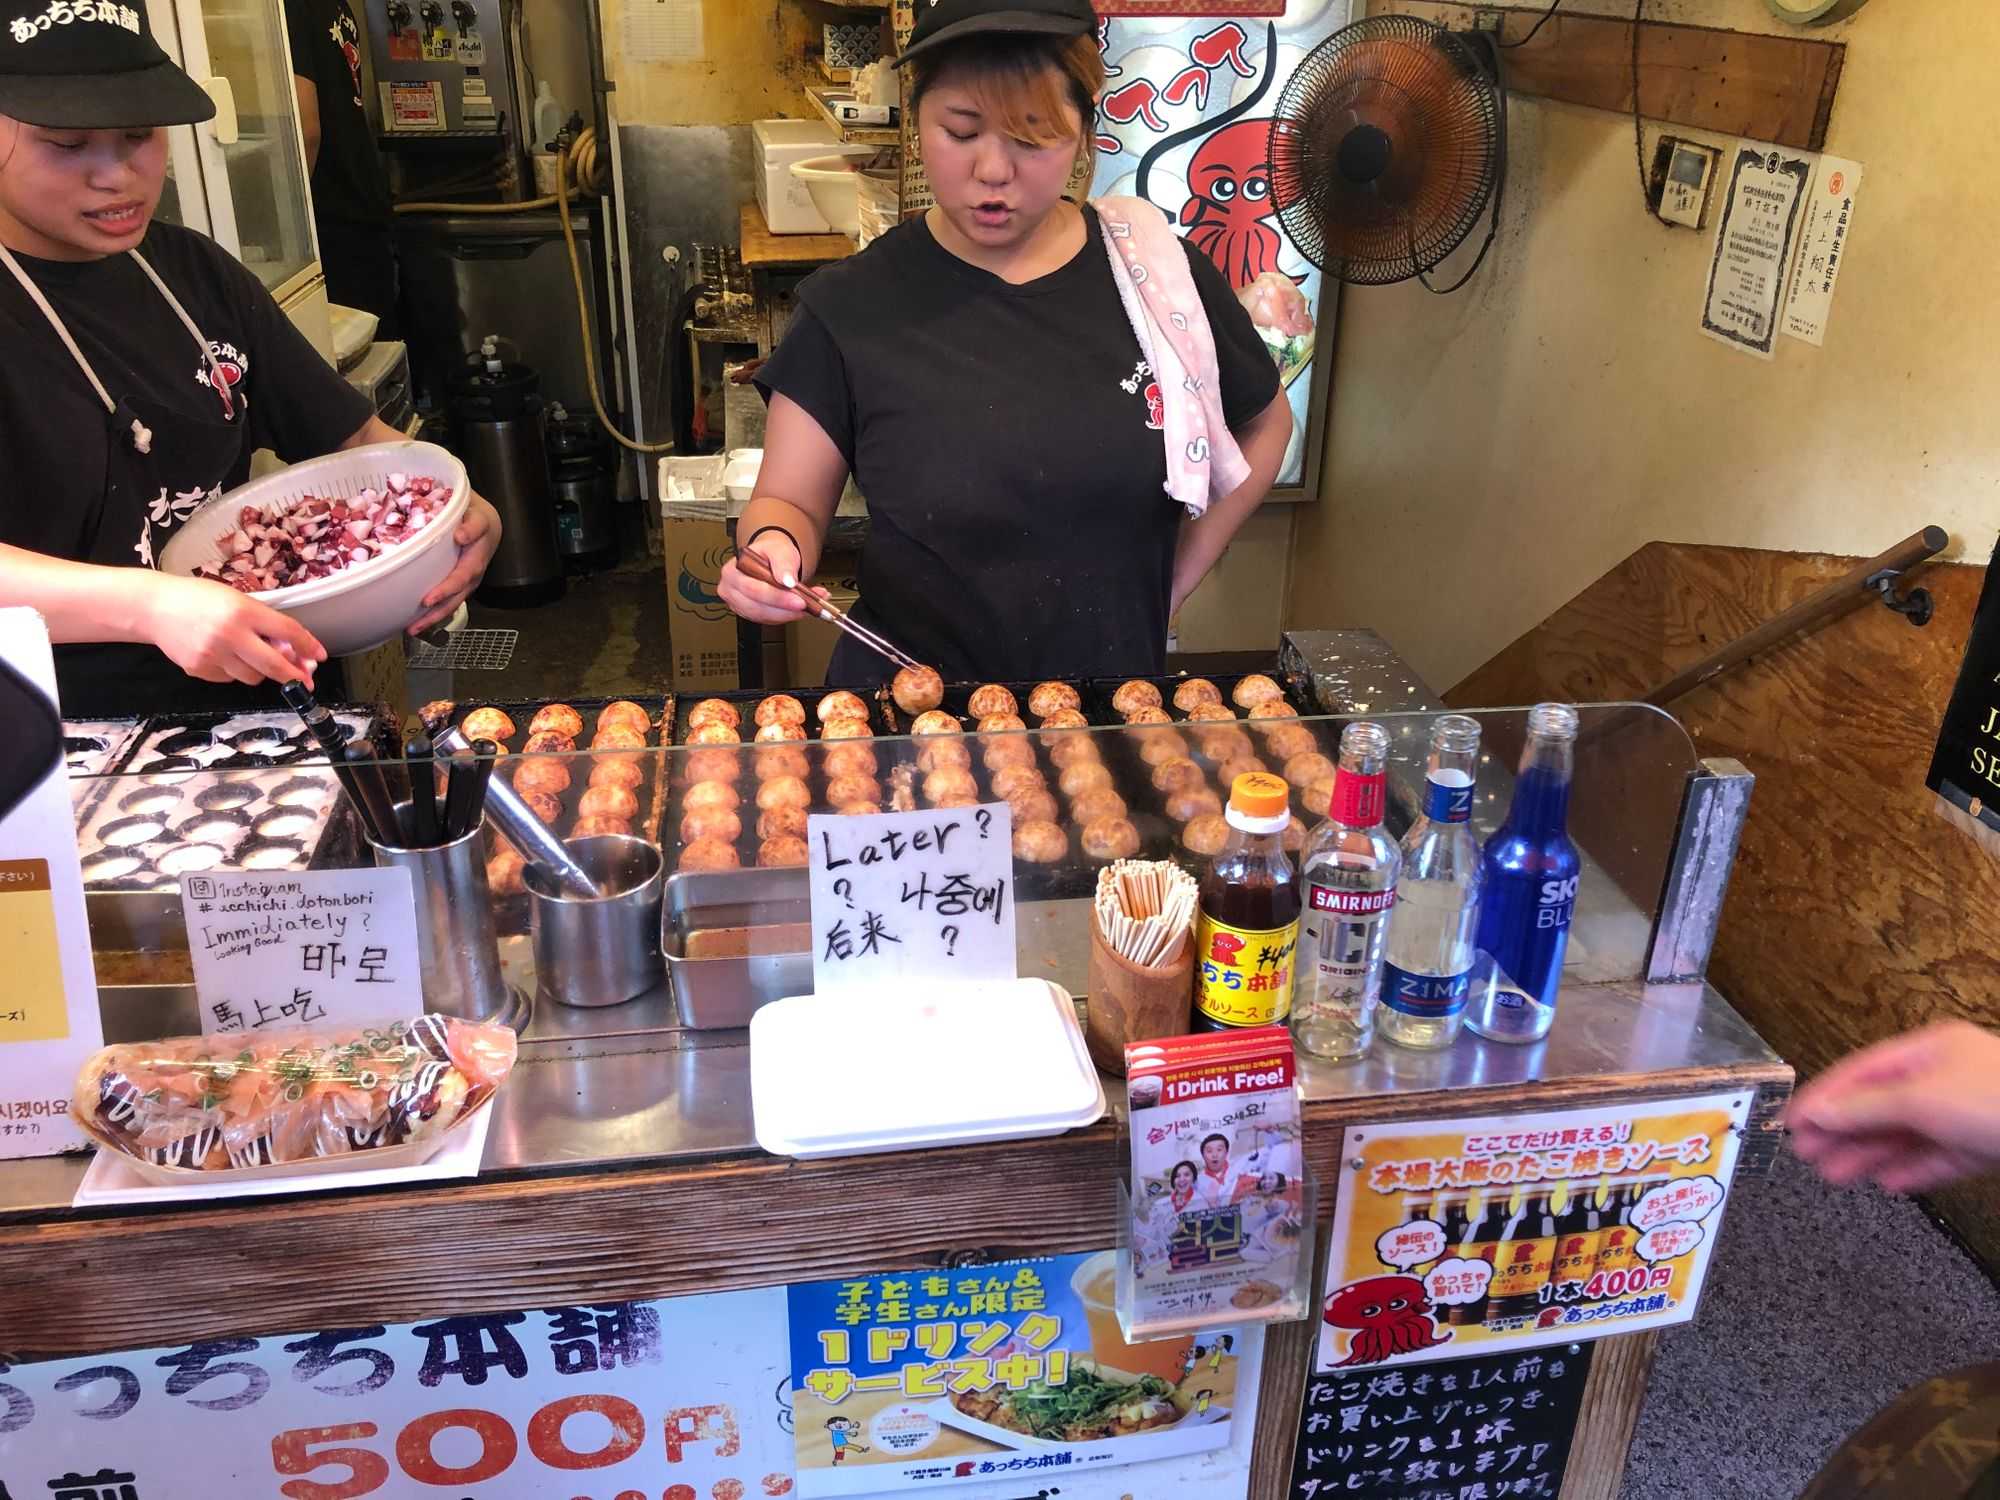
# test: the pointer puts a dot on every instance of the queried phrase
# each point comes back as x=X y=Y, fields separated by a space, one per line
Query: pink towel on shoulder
x=1150 y=266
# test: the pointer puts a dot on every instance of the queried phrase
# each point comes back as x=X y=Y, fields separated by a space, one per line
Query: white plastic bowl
x=835 y=185
x=361 y=606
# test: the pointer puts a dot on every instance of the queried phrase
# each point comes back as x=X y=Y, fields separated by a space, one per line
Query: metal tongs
x=534 y=838
x=754 y=564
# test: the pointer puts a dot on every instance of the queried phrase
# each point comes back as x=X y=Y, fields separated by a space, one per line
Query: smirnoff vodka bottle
x=1351 y=865
x=1429 y=972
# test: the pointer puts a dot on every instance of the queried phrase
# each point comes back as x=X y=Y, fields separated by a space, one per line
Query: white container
x=929 y=1063
x=739 y=475
x=835 y=185
x=361 y=606
x=786 y=202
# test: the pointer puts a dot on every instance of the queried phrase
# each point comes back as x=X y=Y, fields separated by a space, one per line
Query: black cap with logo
x=91 y=65
x=940 y=21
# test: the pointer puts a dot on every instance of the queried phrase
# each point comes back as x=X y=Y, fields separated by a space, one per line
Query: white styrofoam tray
x=926 y=1064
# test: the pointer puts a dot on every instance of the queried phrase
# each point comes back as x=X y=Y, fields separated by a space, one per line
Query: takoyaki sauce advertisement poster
x=1014 y=1370
x=1456 y=1237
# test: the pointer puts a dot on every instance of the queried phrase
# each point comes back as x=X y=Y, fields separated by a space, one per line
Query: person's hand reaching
x=212 y=632
x=756 y=600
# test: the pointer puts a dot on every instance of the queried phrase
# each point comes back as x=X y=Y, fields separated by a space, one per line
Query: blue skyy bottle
x=1530 y=872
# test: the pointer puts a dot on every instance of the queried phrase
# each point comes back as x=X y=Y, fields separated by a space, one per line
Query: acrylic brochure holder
x=1250 y=1261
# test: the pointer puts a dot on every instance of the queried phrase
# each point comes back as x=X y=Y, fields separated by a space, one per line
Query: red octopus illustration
x=1229 y=187
x=1389 y=1315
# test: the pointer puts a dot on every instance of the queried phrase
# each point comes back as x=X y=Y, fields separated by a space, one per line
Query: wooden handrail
x=1851 y=589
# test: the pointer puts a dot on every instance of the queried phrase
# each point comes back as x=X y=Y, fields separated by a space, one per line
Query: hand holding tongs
x=754 y=564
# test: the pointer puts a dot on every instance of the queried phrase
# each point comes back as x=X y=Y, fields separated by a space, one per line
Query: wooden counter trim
x=85 y=1285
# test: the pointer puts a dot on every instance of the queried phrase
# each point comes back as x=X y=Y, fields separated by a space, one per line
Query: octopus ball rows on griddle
x=1317 y=798
x=618 y=737
x=1206 y=834
x=1196 y=690
x=1038 y=806
x=948 y=782
x=608 y=802
x=706 y=765
x=713 y=711
x=1061 y=724
x=1304 y=770
x=845 y=728
x=782 y=823
x=711 y=823
x=943 y=754
x=711 y=794
x=783 y=791
x=1007 y=723
x=622 y=770
x=858 y=809
x=1084 y=776
x=544 y=805
x=1255 y=689
x=1178 y=775
x=853 y=789
x=1053 y=697
x=626 y=713
x=599 y=826
x=1149 y=715
x=1075 y=750
x=936 y=721
x=503 y=873
x=991 y=699
x=541 y=775
x=780 y=708
x=710 y=854
x=786 y=761
x=488 y=724
x=1195 y=802
x=850 y=760
x=781 y=854
x=956 y=800
x=1211 y=713
x=1007 y=752
x=841 y=705
x=779 y=731
x=714 y=733
x=1133 y=696
x=1288 y=740
x=1169 y=746
x=917 y=689
x=1093 y=807
x=548 y=742
x=1240 y=765
x=556 y=718
x=1225 y=744
x=1277 y=708
x=1040 y=842
x=1110 y=838
x=1294 y=838
x=1010 y=779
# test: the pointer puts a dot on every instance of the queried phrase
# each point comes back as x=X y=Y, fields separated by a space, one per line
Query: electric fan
x=1388 y=143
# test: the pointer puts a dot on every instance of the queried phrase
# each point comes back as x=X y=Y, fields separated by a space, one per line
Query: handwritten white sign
x=911 y=895
x=309 y=947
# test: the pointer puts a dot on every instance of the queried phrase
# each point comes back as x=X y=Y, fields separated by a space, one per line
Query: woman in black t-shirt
x=143 y=367
x=977 y=372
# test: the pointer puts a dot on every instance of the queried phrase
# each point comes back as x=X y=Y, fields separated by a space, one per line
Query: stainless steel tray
x=720 y=992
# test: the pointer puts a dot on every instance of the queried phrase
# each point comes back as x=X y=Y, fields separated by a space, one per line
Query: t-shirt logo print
x=347 y=37
x=1156 y=403
x=229 y=370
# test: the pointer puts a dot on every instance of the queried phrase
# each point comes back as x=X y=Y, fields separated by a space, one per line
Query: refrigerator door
x=241 y=177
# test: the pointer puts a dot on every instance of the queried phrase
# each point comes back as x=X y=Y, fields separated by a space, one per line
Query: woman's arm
x=1263 y=440
x=477 y=536
x=207 y=629
x=797 y=490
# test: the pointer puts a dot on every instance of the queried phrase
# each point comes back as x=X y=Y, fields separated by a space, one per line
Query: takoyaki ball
x=702 y=765
x=608 y=802
x=1110 y=838
x=1225 y=744
x=1059 y=725
x=1040 y=842
x=595 y=827
x=488 y=724
x=841 y=705
x=853 y=789
x=1074 y=750
x=1277 y=708
x=845 y=728
x=541 y=775
x=956 y=800
x=556 y=718
x=1053 y=697
x=948 y=782
x=779 y=732
x=1240 y=765
x=1033 y=807
x=544 y=805
x=711 y=794
x=1162 y=745
x=714 y=733
x=1133 y=696
x=1008 y=752
x=1007 y=723
x=1304 y=770
x=782 y=823
x=711 y=823
x=712 y=711
x=850 y=760
x=784 y=761
x=858 y=809
x=1295 y=835
x=781 y=854
x=936 y=721
x=625 y=771
x=1211 y=713
x=626 y=714
x=619 y=737
x=503 y=873
x=710 y=854
x=1095 y=806
x=1288 y=740
x=1255 y=689
x=1317 y=798
x=1206 y=834
x=944 y=754
x=1149 y=714
x=1084 y=776
x=780 y=708
x=1196 y=690
x=917 y=689
x=1010 y=779
x=783 y=791
x=548 y=742
x=1178 y=775
x=989 y=700
x=1195 y=802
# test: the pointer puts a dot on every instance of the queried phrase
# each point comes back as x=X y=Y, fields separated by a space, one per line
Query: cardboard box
x=694 y=534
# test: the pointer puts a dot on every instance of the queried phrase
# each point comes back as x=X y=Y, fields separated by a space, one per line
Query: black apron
x=172 y=461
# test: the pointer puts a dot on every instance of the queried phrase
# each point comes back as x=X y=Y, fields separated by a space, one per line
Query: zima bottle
x=1428 y=977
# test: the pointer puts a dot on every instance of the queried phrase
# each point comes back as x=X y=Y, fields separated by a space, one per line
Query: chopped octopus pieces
x=316 y=538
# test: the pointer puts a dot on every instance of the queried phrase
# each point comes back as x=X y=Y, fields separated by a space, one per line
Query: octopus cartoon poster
x=1456 y=1237
x=1186 y=125
x=1009 y=1371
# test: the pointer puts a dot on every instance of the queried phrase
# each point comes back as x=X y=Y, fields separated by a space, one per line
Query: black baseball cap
x=91 y=65
x=940 y=21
